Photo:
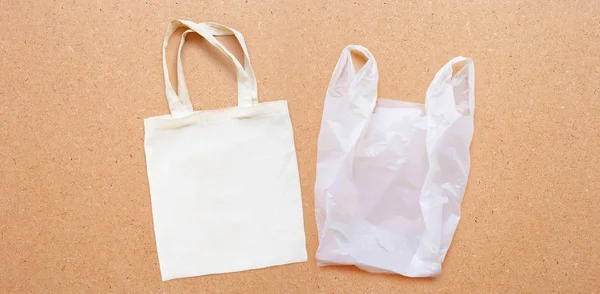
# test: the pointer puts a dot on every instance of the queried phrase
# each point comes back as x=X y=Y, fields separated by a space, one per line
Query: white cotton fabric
x=224 y=183
x=391 y=175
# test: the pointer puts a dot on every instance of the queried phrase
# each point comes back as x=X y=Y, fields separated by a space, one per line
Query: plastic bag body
x=391 y=175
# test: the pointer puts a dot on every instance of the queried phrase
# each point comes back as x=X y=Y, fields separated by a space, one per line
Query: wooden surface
x=78 y=78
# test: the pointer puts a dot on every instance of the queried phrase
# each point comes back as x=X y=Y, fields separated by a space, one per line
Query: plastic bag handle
x=367 y=74
x=446 y=80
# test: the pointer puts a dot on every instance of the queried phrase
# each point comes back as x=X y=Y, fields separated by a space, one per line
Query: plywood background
x=78 y=77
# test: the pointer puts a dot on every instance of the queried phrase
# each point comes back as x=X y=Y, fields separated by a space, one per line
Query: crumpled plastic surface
x=391 y=175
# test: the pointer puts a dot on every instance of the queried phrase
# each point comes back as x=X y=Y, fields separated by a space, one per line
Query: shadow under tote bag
x=224 y=183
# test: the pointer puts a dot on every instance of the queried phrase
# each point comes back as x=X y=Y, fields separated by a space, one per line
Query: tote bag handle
x=180 y=105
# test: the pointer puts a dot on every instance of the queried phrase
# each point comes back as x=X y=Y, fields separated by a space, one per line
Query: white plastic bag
x=391 y=175
x=224 y=183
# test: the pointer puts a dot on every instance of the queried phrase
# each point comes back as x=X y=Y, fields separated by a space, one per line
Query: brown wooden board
x=78 y=78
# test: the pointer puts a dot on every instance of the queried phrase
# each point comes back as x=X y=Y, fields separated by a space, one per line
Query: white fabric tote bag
x=224 y=183
x=391 y=175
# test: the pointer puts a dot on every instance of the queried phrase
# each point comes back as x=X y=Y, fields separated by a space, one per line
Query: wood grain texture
x=78 y=78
